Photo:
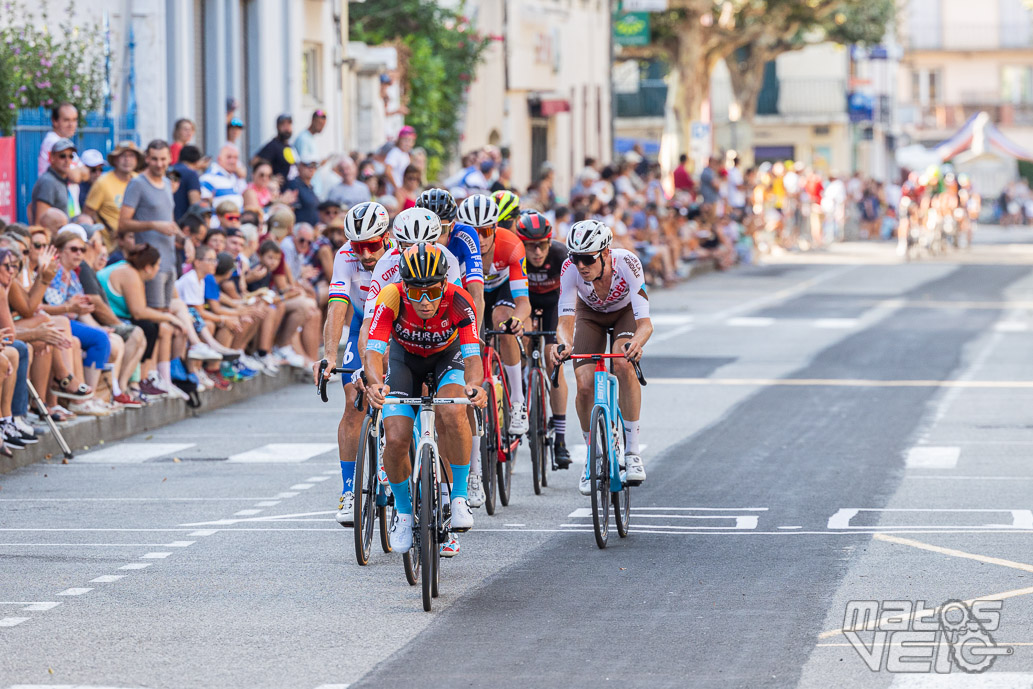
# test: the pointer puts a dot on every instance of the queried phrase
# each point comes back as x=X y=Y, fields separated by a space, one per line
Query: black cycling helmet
x=422 y=265
x=439 y=202
x=533 y=226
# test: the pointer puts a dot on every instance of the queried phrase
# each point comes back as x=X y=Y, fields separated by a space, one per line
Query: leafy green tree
x=440 y=50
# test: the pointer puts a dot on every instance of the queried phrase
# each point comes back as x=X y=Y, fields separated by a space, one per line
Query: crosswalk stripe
x=130 y=453
x=282 y=453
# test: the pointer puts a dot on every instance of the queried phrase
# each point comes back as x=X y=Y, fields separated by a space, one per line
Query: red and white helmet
x=366 y=221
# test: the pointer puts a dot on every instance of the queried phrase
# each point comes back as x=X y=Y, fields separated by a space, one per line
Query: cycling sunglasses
x=486 y=231
x=418 y=294
x=538 y=246
x=372 y=246
x=585 y=259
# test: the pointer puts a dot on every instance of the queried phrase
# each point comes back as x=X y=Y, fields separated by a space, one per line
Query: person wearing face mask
x=278 y=151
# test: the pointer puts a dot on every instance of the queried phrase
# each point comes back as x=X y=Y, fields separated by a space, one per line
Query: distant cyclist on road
x=432 y=329
x=544 y=261
x=604 y=290
x=365 y=226
x=509 y=208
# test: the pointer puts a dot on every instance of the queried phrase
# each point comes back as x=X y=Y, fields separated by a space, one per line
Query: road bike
x=431 y=511
x=606 y=449
x=540 y=434
x=498 y=445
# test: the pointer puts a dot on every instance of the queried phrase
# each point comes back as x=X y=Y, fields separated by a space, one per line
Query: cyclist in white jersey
x=603 y=289
x=366 y=227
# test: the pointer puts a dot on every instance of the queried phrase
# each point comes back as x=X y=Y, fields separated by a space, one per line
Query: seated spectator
x=328 y=212
x=264 y=189
x=350 y=191
x=189 y=168
x=15 y=430
x=124 y=241
x=306 y=206
x=220 y=182
x=321 y=257
x=412 y=183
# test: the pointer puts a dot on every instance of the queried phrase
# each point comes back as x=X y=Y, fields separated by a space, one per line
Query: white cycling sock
x=516 y=387
x=631 y=429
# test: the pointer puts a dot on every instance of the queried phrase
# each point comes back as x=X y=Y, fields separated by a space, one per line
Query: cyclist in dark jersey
x=544 y=259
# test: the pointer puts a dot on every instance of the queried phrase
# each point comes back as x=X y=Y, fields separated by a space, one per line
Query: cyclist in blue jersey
x=461 y=240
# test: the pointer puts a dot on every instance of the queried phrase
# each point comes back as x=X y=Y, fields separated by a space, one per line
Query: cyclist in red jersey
x=433 y=330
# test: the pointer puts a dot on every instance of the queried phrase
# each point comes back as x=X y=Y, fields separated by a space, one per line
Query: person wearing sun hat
x=105 y=197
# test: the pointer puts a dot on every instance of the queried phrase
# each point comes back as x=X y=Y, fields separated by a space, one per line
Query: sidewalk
x=88 y=432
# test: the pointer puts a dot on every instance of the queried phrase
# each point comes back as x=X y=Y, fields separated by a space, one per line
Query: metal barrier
x=99 y=132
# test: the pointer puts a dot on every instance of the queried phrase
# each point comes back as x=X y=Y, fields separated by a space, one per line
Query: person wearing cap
x=278 y=151
x=306 y=144
x=54 y=188
x=397 y=159
x=105 y=198
x=306 y=205
x=221 y=181
x=93 y=161
x=190 y=169
x=234 y=130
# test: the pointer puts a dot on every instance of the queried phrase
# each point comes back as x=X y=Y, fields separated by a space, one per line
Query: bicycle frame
x=492 y=355
x=607 y=397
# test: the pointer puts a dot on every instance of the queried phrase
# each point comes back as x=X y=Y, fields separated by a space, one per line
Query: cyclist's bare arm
x=336 y=317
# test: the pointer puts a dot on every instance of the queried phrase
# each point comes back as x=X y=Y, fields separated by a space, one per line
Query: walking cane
x=45 y=413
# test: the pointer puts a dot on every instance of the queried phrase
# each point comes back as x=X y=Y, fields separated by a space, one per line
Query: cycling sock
x=559 y=422
x=403 y=499
x=516 y=384
x=475 y=455
x=460 y=476
x=631 y=429
x=348 y=475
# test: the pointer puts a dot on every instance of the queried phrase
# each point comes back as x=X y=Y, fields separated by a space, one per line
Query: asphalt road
x=821 y=429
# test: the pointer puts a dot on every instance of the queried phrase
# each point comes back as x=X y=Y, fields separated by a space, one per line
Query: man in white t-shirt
x=64 y=121
x=398 y=159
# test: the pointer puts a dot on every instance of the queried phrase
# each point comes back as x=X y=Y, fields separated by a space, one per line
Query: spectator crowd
x=163 y=270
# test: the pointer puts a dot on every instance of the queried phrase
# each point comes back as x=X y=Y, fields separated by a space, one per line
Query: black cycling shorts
x=549 y=305
x=497 y=297
x=406 y=373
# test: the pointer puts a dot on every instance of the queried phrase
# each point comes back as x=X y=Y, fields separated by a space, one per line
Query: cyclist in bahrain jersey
x=365 y=226
x=604 y=290
x=431 y=325
x=544 y=260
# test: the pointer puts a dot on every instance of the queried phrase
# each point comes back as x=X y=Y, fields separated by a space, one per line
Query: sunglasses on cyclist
x=486 y=231
x=418 y=294
x=372 y=246
x=585 y=259
x=538 y=246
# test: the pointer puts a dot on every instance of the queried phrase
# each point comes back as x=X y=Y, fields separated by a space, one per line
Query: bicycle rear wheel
x=504 y=467
x=428 y=526
x=622 y=509
x=536 y=429
x=385 y=524
x=599 y=475
x=489 y=449
x=365 y=487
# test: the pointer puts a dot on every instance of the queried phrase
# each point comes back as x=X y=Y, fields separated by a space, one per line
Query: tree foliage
x=441 y=50
x=42 y=65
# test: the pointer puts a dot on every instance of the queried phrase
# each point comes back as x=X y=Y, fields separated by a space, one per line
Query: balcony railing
x=648 y=101
x=1006 y=36
x=952 y=116
x=793 y=97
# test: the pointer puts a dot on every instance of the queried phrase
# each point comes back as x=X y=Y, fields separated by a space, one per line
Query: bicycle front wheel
x=411 y=559
x=365 y=486
x=428 y=525
x=489 y=449
x=599 y=475
x=536 y=428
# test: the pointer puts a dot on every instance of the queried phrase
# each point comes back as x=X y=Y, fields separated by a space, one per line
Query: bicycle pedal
x=634 y=483
x=456 y=529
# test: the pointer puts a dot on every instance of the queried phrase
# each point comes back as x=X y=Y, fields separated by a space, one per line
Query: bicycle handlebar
x=520 y=342
x=321 y=385
x=595 y=357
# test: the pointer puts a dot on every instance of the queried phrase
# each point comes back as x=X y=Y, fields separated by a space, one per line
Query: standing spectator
x=64 y=122
x=329 y=211
x=148 y=211
x=306 y=145
x=410 y=189
x=505 y=180
x=264 y=190
x=188 y=192
x=182 y=135
x=710 y=181
x=221 y=181
x=306 y=207
x=397 y=159
x=736 y=189
x=350 y=192
x=682 y=178
x=54 y=188
x=278 y=151
x=93 y=161
x=105 y=198
x=234 y=130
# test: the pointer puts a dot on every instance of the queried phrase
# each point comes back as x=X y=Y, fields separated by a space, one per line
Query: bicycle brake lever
x=321 y=386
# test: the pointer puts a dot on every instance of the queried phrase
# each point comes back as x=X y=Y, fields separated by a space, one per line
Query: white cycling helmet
x=366 y=221
x=416 y=226
x=478 y=211
x=588 y=237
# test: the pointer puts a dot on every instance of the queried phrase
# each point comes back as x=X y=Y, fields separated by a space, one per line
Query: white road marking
x=75 y=591
x=670 y=318
x=927 y=457
x=107 y=578
x=286 y=495
x=331 y=472
x=11 y=621
x=83 y=545
x=180 y=544
x=161 y=499
x=514 y=525
x=302 y=486
x=130 y=453
x=750 y=322
x=203 y=532
x=267 y=518
x=136 y=565
x=991 y=680
x=282 y=453
x=587 y=511
x=836 y=323
x=788 y=528
x=1011 y=326
x=246 y=513
x=267 y=503
x=318 y=479
x=41 y=606
x=332 y=686
x=1021 y=519
x=781 y=295
x=681 y=330
x=155 y=556
x=64 y=686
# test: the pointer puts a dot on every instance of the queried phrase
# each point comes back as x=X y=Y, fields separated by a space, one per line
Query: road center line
x=847 y=382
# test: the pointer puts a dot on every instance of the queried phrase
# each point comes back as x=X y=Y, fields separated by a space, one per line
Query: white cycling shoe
x=450 y=548
x=475 y=490
x=346 y=509
x=400 y=534
x=462 y=515
x=635 y=470
x=585 y=486
x=518 y=419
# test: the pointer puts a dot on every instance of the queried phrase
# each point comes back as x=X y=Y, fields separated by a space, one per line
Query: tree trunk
x=747 y=78
x=693 y=78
